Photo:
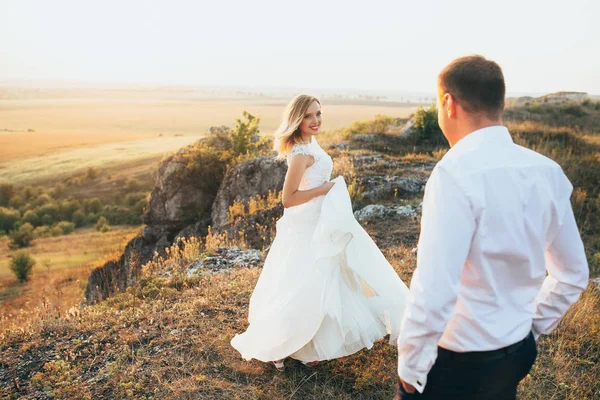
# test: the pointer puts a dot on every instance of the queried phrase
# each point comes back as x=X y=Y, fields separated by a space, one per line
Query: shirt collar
x=490 y=134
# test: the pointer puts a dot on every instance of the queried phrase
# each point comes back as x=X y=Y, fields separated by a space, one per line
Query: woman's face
x=311 y=124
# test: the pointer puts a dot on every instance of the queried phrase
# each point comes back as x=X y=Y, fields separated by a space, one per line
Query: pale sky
x=542 y=46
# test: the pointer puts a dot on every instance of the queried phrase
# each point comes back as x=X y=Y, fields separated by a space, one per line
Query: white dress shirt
x=496 y=218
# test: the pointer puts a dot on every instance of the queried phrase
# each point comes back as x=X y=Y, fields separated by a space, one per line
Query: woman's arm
x=291 y=196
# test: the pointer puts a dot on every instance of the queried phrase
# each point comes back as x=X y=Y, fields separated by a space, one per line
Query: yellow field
x=63 y=265
x=54 y=165
x=35 y=127
x=63 y=252
x=49 y=133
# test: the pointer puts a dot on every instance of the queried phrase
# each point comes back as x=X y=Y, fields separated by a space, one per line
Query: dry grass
x=168 y=337
x=239 y=209
x=60 y=275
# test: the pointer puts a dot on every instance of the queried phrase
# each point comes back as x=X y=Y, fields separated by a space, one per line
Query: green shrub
x=120 y=215
x=105 y=228
x=79 y=218
x=102 y=221
x=23 y=236
x=48 y=213
x=21 y=264
x=31 y=217
x=131 y=199
x=42 y=231
x=66 y=209
x=379 y=124
x=243 y=134
x=66 y=227
x=8 y=218
x=16 y=201
x=427 y=130
x=7 y=191
x=92 y=206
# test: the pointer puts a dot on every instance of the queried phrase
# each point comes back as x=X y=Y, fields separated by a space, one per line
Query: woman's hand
x=326 y=187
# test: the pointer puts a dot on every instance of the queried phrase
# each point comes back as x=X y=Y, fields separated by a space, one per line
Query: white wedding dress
x=325 y=291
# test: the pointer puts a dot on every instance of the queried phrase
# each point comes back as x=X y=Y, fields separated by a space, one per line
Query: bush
x=7 y=191
x=16 y=201
x=101 y=224
x=243 y=134
x=66 y=227
x=119 y=215
x=66 y=209
x=56 y=231
x=131 y=199
x=48 y=213
x=21 y=264
x=8 y=218
x=92 y=206
x=425 y=123
x=105 y=228
x=42 y=231
x=31 y=217
x=79 y=218
x=23 y=236
x=379 y=124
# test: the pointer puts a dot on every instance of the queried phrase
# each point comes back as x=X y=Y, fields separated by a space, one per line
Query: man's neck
x=473 y=126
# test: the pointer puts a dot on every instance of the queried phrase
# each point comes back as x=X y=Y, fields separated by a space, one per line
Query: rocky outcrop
x=224 y=259
x=376 y=185
x=176 y=200
x=246 y=180
x=257 y=228
x=181 y=205
x=378 y=210
x=115 y=276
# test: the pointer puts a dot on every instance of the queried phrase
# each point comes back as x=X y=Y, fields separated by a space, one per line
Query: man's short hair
x=476 y=84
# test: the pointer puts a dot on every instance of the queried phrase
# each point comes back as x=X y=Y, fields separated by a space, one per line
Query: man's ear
x=450 y=105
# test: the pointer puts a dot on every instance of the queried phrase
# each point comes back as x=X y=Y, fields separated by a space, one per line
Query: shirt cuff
x=411 y=377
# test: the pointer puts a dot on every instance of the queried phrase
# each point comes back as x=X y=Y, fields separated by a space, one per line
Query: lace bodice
x=320 y=171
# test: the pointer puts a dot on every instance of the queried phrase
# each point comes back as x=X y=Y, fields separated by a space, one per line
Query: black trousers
x=486 y=375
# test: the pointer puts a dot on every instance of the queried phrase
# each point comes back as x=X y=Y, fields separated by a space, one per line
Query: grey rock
x=244 y=181
x=224 y=259
x=377 y=210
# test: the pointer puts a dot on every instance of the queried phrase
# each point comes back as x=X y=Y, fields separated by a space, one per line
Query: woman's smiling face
x=311 y=124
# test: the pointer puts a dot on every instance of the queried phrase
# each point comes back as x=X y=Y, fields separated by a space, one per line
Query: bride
x=325 y=291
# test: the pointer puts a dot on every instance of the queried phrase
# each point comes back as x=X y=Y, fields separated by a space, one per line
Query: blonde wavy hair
x=288 y=132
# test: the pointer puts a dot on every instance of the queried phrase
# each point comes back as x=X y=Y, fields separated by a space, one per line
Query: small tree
x=66 y=227
x=8 y=218
x=22 y=237
x=244 y=132
x=21 y=264
x=426 y=125
x=102 y=225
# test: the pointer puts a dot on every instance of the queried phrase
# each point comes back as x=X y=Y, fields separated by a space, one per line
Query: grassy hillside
x=63 y=265
x=168 y=336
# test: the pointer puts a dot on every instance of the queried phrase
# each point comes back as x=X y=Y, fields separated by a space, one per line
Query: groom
x=496 y=218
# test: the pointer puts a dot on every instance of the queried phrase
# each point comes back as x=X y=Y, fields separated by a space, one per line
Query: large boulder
x=244 y=181
x=176 y=200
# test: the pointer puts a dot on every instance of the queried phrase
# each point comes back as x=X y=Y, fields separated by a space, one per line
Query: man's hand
x=410 y=389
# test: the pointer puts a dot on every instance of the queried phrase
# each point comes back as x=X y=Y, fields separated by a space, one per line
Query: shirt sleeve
x=567 y=267
x=447 y=229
